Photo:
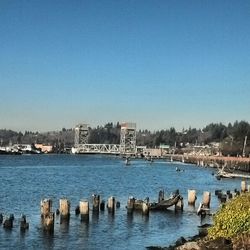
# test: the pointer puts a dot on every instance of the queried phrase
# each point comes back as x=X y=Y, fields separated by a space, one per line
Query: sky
x=158 y=63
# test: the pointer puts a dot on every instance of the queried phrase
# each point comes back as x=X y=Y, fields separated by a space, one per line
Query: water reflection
x=95 y=217
x=64 y=225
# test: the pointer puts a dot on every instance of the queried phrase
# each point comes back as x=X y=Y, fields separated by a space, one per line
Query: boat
x=9 y=152
x=165 y=203
x=223 y=174
x=162 y=205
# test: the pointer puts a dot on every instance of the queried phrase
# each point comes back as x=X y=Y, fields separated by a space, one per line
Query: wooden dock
x=233 y=163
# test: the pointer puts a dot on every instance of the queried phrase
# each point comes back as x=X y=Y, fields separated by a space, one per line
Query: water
x=26 y=179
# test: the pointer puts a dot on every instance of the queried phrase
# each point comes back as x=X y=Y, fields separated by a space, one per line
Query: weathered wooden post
x=48 y=222
x=223 y=198
x=102 y=205
x=118 y=204
x=111 y=204
x=206 y=199
x=23 y=224
x=130 y=205
x=179 y=205
x=161 y=196
x=1 y=218
x=96 y=203
x=46 y=207
x=243 y=186
x=84 y=210
x=77 y=210
x=47 y=215
x=191 y=197
x=64 y=209
x=145 y=207
x=8 y=223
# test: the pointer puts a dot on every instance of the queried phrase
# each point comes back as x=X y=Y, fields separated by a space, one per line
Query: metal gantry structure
x=81 y=134
x=128 y=138
x=127 y=144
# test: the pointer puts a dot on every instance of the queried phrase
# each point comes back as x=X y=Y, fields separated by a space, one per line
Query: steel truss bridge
x=97 y=149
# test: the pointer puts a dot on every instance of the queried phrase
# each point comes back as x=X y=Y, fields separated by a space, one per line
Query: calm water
x=26 y=179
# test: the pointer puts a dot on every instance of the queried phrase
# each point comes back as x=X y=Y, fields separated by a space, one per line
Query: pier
x=232 y=163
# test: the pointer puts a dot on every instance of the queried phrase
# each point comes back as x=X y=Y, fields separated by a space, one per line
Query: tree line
x=231 y=137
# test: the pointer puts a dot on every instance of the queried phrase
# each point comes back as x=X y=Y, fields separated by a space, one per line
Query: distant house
x=44 y=148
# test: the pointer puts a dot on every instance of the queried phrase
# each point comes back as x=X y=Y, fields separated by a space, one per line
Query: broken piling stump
x=130 y=205
x=102 y=205
x=23 y=224
x=48 y=222
x=243 y=186
x=8 y=223
x=46 y=207
x=206 y=199
x=191 y=197
x=96 y=203
x=84 y=210
x=64 y=209
x=111 y=204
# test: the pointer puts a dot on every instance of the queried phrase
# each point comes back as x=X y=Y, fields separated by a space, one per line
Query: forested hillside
x=231 y=137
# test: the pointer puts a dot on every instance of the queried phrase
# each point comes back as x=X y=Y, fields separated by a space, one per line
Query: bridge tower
x=128 y=138
x=81 y=134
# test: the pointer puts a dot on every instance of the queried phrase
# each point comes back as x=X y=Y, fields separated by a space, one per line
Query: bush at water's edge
x=232 y=221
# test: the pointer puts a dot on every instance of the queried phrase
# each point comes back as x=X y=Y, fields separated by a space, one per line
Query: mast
x=244 y=147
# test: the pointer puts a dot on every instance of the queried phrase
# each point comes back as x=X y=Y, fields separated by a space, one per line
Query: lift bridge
x=127 y=144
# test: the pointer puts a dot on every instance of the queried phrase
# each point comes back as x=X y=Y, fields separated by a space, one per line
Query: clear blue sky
x=159 y=63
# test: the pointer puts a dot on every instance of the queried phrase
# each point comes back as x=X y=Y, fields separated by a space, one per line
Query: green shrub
x=232 y=219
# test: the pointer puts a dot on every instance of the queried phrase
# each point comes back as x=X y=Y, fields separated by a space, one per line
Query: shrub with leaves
x=232 y=219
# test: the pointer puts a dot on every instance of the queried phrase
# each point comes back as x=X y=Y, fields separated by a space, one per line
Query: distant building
x=154 y=152
x=44 y=148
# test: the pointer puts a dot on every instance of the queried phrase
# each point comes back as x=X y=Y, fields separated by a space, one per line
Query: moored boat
x=165 y=203
x=161 y=205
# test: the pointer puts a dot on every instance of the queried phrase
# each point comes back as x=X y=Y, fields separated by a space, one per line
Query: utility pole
x=244 y=147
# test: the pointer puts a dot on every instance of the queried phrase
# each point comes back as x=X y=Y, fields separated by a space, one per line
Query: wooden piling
x=77 y=210
x=218 y=191
x=96 y=202
x=145 y=208
x=206 y=199
x=8 y=223
x=64 y=209
x=243 y=186
x=161 y=196
x=102 y=205
x=23 y=224
x=223 y=198
x=179 y=205
x=46 y=207
x=84 y=210
x=130 y=205
x=48 y=222
x=1 y=218
x=191 y=197
x=111 y=204
x=118 y=204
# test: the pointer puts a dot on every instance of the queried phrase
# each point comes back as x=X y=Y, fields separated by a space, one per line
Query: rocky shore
x=197 y=243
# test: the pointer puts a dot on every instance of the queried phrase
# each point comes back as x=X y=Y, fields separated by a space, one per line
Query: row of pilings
x=233 y=163
x=83 y=209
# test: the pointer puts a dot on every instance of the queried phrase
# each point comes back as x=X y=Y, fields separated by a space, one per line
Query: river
x=26 y=179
